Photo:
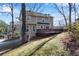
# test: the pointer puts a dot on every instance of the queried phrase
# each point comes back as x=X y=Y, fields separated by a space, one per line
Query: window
x=33 y=28
x=41 y=27
x=43 y=20
x=27 y=28
x=47 y=27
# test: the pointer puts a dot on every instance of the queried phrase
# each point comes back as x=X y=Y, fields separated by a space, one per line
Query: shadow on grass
x=15 y=45
x=11 y=39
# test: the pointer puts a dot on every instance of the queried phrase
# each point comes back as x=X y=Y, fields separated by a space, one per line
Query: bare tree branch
x=61 y=12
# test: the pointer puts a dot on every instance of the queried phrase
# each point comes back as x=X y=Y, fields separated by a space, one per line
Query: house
x=35 y=21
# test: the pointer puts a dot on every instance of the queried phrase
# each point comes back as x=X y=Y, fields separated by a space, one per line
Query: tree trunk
x=12 y=21
x=65 y=20
x=23 y=23
x=70 y=16
x=75 y=12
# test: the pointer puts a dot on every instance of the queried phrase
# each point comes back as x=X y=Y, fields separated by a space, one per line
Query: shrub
x=16 y=34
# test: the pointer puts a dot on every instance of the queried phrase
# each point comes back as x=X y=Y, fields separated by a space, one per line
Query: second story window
x=43 y=20
x=28 y=17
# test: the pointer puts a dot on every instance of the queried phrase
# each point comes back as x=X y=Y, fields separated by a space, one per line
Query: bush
x=16 y=34
x=75 y=31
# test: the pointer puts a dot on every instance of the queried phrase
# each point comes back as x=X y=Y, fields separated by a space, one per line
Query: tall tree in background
x=11 y=7
x=70 y=8
x=75 y=11
x=61 y=11
x=23 y=10
x=35 y=7
x=2 y=26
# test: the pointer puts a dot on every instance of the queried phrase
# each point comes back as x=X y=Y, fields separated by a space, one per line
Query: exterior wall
x=31 y=20
x=31 y=31
x=18 y=26
x=51 y=22
x=36 y=21
x=45 y=23
x=43 y=26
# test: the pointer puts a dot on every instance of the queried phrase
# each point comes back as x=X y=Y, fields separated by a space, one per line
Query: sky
x=46 y=8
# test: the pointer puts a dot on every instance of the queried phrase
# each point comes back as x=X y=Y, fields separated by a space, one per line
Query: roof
x=36 y=14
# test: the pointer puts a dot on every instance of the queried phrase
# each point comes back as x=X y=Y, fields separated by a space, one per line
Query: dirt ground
x=71 y=43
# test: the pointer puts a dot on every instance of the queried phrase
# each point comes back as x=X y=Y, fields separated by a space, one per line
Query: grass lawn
x=54 y=47
x=50 y=46
x=28 y=48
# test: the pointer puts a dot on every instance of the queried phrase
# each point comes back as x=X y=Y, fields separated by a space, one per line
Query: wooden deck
x=50 y=30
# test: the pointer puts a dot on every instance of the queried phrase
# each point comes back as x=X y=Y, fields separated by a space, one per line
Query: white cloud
x=65 y=4
x=6 y=9
x=4 y=5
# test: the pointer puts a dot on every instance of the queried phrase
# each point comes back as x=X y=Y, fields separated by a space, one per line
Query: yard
x=28 y=48
x=56 y=45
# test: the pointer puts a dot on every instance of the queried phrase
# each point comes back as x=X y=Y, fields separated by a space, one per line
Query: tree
x=35 y=7
x=70 y=8
x=75 y=12
x=23 y=33
x=76 y=9
x=2 y=26
x=61 y=11
x=31 y=7
x=11 y=7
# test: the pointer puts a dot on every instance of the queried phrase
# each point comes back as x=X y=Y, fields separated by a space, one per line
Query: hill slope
x=28 y=48
x=54 y=47
x=50 y=46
